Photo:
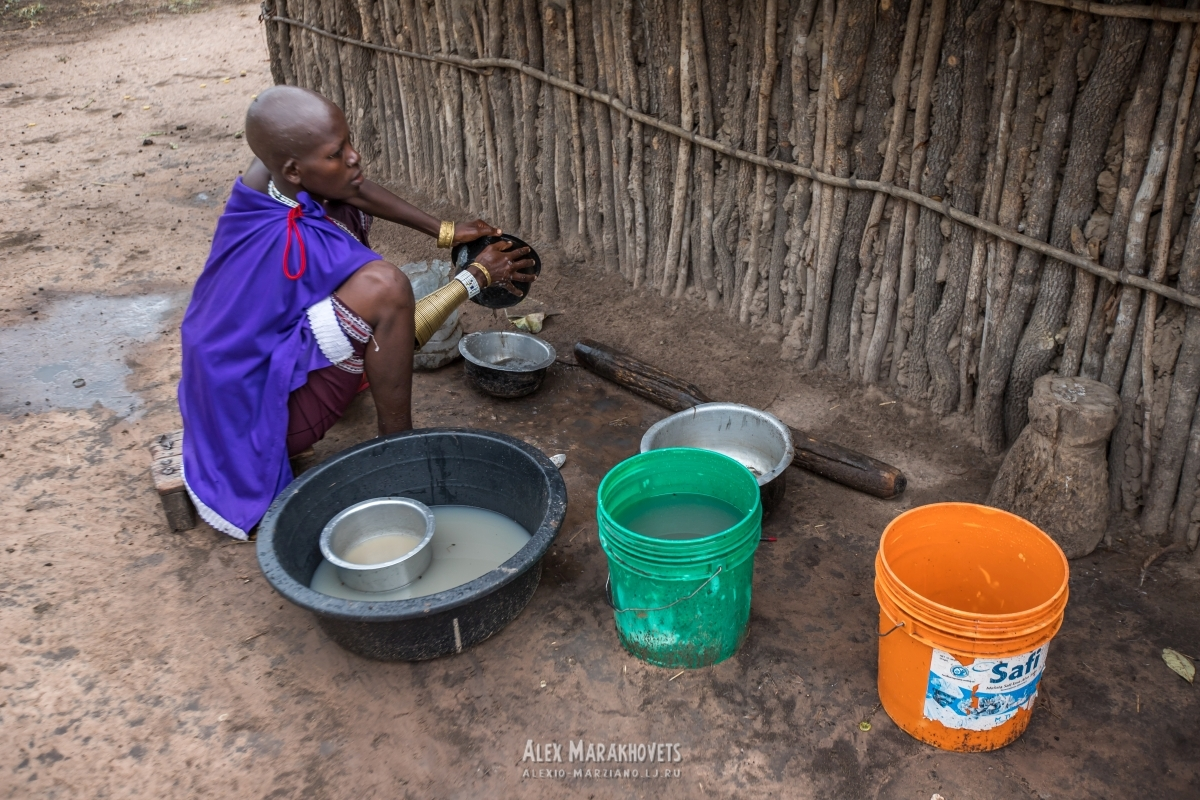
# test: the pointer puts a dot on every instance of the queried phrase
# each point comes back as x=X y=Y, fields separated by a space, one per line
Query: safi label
x=987 y=693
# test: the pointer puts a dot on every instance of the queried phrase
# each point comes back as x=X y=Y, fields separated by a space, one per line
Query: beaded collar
x=290 y=203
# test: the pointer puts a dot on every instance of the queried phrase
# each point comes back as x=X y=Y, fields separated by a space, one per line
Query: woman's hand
x=503 y=262
x=470 y=231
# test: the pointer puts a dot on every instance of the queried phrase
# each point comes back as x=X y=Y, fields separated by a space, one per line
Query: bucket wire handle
x=608 y=595
x=899 y=624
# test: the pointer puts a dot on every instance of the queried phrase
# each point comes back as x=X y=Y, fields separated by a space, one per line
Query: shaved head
x=287 y=122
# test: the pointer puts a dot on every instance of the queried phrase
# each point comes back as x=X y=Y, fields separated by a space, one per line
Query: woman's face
x=331 y=170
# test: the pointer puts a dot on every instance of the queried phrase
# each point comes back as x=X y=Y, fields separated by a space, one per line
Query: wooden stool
x=1056 y=474
x=166 y=454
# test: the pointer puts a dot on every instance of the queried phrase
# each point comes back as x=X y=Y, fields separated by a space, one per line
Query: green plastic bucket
x=680 y=602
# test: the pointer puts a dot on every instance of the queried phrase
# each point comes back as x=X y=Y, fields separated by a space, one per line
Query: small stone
x=147 y=142
x=181 y=127
x=116 y=114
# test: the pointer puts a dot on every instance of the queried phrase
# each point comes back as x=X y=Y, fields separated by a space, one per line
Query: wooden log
x=1139 y=122
x=1003 y=99
x=990 y=420
x=766 y=82
x=850 y=280
x=1093 y=119
x=839 y=464
x=1154 y=521
x=920 y=143
x=166 y=468
x=943 y=139
x=943 y=376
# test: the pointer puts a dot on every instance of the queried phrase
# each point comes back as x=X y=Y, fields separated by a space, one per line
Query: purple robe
x=248 y=343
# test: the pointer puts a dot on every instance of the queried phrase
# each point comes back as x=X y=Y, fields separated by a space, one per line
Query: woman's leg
x=381 y=294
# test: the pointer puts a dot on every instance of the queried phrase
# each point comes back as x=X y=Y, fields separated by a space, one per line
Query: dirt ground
x=136 y=661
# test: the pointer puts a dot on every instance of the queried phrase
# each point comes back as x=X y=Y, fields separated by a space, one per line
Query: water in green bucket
x=680 y=516
x=680 y=527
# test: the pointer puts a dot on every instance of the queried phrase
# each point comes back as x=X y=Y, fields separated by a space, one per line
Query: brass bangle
x=487 y=275
x=434 y=309
x=446 y=235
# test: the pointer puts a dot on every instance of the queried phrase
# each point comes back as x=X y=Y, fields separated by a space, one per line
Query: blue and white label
x=987 y=693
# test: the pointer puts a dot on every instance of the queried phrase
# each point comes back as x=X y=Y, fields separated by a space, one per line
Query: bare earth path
x=137 y=662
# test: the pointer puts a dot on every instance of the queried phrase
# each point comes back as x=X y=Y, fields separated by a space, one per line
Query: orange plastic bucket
x=969 y=599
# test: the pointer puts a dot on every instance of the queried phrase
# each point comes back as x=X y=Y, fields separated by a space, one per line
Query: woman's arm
x=377 y=201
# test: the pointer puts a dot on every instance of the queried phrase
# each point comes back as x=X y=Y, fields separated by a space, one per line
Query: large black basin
x=437 y=466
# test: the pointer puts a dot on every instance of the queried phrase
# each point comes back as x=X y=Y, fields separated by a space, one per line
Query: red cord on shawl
x=293 y=228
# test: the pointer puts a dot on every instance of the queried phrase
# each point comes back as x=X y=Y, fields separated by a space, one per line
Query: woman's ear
x=291 y=171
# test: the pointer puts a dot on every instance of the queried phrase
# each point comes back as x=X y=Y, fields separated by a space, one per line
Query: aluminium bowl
x=369 y=519
x=506 y=364
x=755 y=438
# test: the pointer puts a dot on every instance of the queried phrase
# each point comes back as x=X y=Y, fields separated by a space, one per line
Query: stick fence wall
x=950 y=196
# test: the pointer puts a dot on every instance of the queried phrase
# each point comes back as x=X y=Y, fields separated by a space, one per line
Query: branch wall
x=715 y=150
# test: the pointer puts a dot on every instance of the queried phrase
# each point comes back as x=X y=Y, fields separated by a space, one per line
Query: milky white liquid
x=381 y=549
x=467 y=542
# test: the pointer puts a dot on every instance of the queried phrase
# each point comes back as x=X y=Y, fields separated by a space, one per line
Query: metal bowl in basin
x=437 y=466
x=506 y=363
x=372 y=519
x=755 y=438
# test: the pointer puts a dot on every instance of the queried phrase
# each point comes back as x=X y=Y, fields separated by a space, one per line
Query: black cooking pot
x=437 y=466
x=495 y=296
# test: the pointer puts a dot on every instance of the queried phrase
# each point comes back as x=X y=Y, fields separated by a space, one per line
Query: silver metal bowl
x=755 y=438
x=379 y=517
x=506 y=363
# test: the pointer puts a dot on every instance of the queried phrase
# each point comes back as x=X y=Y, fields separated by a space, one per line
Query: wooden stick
x=1129 y=306
x=758 y=217
x=1093 y=118
x=1162 y=13
x=821 y=195
x=891 y=156
x=944 y=136
x=1138 y=124
x=576 y=136
x=846 y=71
x=933 y=46
x=832 y=461
x=1161 y=492
x=994 y=426
x=673 y=266
x=1002 y=106
x=704 y=157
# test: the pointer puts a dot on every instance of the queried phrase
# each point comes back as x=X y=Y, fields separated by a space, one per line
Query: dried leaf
x=1179 y=664
x=530 y=322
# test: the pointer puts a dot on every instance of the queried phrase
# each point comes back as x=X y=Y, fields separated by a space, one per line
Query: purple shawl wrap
x=247 y=343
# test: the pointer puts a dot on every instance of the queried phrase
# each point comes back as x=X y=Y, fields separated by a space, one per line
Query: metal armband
x=435 y=308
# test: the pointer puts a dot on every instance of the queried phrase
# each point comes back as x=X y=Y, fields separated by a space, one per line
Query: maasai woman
x=293 y=306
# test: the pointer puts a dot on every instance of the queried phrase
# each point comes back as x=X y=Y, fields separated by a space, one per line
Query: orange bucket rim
x=1036 y=611
x=959 y=621
x=1034 y=631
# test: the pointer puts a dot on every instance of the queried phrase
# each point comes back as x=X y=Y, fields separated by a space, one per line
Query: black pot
x=495 y=296
x=506 y=385
x=437 y=466
x=506 y=364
